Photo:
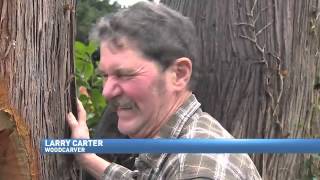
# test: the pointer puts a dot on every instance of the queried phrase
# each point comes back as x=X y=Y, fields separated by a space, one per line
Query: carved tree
x=260 y=60
x=36 y=85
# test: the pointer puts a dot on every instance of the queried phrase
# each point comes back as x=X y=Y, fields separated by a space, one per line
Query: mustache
x=123 y=102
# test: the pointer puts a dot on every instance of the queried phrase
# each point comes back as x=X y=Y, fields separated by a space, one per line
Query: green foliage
x=89 y=83
x=88 y=12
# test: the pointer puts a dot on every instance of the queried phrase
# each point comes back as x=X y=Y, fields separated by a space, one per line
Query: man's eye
x=105 y=76
x=125 y=76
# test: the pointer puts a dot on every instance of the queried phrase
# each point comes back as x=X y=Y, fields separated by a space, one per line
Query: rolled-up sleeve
x=116 y=171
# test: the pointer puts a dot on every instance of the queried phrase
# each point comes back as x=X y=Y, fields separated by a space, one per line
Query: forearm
x=94 y=164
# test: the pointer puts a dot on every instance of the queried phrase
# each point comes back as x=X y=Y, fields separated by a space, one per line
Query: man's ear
x=181 y=73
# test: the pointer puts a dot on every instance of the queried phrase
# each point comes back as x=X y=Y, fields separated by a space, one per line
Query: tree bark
x=36 y=83
x=260 y=60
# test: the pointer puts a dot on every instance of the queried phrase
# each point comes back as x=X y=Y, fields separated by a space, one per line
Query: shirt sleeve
x=216 y=166
x=116 y=171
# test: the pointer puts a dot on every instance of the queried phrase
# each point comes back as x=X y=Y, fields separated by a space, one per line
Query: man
x=148 y=58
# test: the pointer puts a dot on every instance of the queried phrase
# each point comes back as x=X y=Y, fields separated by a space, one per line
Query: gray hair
x=159 y=32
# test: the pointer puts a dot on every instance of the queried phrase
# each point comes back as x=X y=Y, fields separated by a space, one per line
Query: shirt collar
x=172 y=129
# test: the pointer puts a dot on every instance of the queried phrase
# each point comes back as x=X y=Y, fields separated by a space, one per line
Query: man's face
x=137 y=89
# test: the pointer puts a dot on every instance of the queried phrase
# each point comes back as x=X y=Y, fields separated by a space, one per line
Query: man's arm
x=94 y=164
x=217 y=166
x=91 y=162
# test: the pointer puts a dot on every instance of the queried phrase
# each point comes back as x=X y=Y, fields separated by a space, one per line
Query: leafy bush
x=89 y=82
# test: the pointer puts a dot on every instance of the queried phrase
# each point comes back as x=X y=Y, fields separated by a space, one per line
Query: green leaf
x=92 y=120
x=85 y=69
x=97 y=82
x=90 y=116
x=80 y=47
x=99 y=101
x=84 y=99
x=81 y=82
x=92 y=47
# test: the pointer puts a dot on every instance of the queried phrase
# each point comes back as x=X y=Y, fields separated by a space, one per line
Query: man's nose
x=111 y=88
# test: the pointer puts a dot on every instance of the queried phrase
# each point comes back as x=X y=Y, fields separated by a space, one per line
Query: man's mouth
x=125 y=107
x=121 y=104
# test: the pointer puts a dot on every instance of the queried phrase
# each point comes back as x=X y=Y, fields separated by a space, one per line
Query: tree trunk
x=260 y=61
x=36 y=86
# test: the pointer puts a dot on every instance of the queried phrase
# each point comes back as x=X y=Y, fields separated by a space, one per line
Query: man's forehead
x=122 y=58
x=112 y=60
x=127 y=58
x=118 y=65
x=113 y=67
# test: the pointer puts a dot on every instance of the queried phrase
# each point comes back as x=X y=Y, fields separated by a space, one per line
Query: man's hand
x=91 y=162
x=78 y=127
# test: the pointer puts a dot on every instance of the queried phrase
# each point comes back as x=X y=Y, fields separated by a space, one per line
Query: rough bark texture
x=260 y=60
x=13 y=152
x=36 y=64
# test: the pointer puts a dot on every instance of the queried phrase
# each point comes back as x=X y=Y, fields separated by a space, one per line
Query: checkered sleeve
x=216 y=166
x=115 y=171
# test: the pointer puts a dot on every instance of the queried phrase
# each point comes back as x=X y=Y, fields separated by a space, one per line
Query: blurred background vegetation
x=88 y=12
x=89 y=83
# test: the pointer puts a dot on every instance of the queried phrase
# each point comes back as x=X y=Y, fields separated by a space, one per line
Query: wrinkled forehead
x=126 y=57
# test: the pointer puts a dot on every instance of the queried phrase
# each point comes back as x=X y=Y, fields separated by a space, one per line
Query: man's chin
x=126 y=128
x=126 y=114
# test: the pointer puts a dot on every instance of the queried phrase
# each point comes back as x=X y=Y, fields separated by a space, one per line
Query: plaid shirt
x=188 y=122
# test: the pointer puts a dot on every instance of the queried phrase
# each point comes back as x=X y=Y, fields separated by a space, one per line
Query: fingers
x=72 y=120
x=78 y=127
x=82 y=115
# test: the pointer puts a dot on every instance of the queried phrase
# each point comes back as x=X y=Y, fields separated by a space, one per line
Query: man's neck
x=176 y=103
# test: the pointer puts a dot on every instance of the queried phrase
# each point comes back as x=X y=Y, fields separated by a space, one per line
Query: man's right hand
x=79 y=128
x=93 y=163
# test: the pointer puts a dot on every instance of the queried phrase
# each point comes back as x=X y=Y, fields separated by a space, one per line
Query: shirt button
x=135 y=174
